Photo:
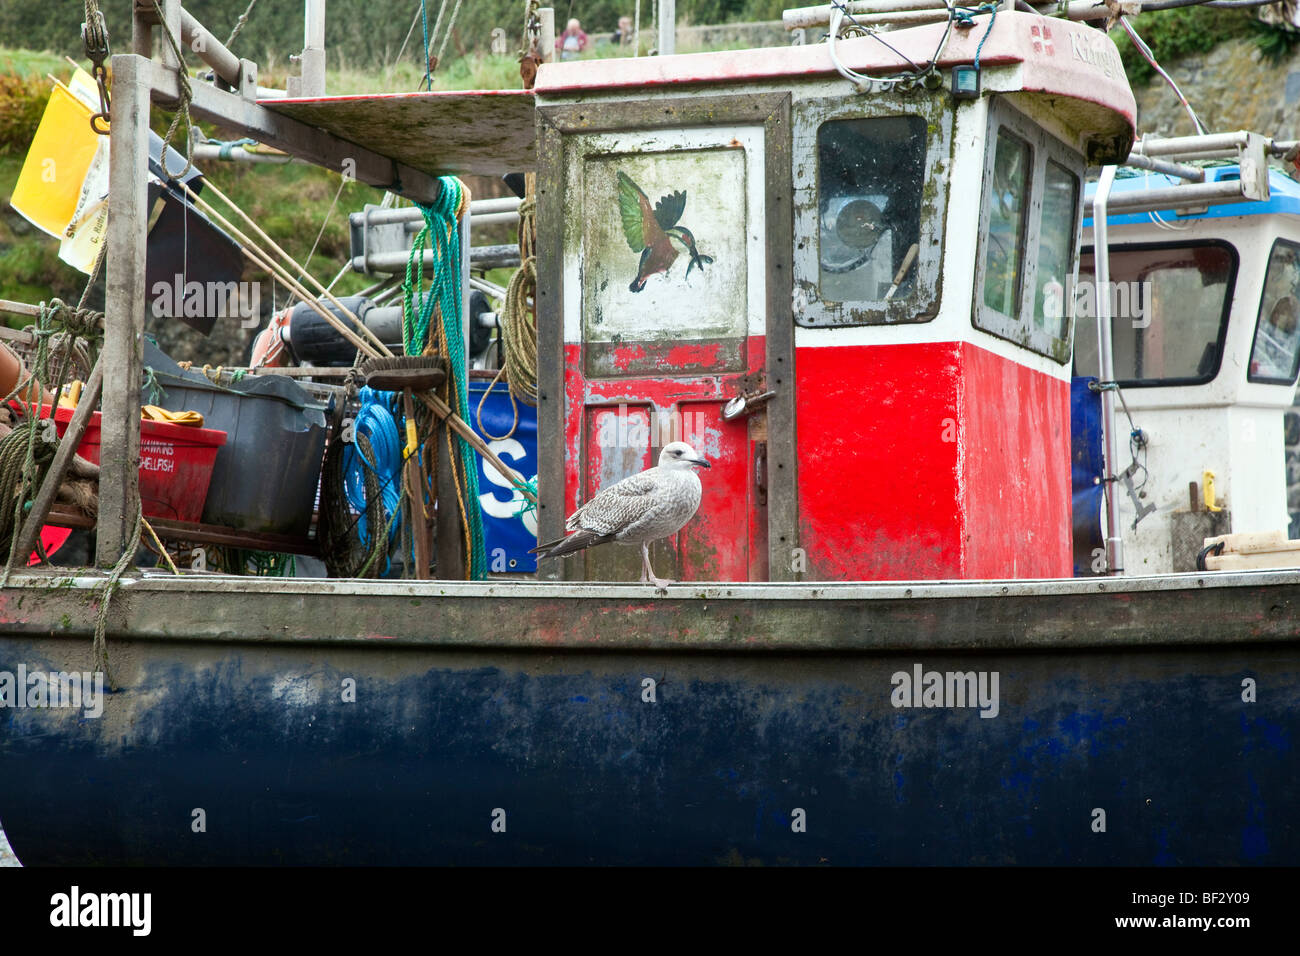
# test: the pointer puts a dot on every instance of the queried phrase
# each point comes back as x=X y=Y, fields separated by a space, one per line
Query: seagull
x=637 y=510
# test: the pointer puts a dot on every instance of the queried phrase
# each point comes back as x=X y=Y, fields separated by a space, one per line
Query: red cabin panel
x=1016 y=470
x=930 y=461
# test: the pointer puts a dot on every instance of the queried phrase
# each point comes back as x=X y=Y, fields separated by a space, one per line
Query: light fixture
x=965 y=82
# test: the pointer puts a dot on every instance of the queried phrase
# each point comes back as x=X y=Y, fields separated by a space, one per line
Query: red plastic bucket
x=175 y=463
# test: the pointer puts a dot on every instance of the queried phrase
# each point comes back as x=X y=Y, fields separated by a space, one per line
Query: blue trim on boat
x=1284 y=197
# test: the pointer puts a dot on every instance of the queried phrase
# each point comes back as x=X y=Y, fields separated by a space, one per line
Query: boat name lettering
x=1096 y=54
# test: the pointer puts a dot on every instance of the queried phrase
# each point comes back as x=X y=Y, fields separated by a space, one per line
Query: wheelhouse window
x=869 y=210
x=1275 y=355
x=869 y=196
x=1029 y=228
x=1004 y=248
x=1056 y=249
x=1169 y=307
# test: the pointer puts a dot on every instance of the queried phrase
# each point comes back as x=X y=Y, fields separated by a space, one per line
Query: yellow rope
x=514 y=406
x=518 y=318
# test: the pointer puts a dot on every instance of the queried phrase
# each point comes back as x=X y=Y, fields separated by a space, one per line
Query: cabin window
x=1275 y=356
x=1029 y=228
x=869 y=194
x=868 y=213
x=1055 y=249
x=1169 y=308
x=1004 y=250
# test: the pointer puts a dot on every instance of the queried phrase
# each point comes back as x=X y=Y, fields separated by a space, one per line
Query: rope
x=341 y=546
x=99 y=646
x=381 y=456
x=23 y=462
x=451 y=25
x=325 y=222
x=162 y=551
x=987 y=30
x=182 y=104
x=239 y=24
x=17 y=449
x=514 y=407
x=518 y=320
x=441 y=233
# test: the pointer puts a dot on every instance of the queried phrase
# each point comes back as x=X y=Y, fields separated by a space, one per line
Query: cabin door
x=666 y=309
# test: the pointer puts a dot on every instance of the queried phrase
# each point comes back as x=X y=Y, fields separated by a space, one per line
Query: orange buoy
x=12 y=372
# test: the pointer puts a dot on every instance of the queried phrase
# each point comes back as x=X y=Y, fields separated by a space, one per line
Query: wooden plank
x=450 y=528
x=64 y=517
x=550 y=343
x=491 y=132
x=1254 y=561
x=299 y=139
x=1254 y=542
x=126 y=295
x=782 y=447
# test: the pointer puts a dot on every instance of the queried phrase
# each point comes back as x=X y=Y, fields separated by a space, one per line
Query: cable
x=1151 y=58
x=904 y=80
x=849 y=16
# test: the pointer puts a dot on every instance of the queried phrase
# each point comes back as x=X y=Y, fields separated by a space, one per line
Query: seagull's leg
x=647 y=571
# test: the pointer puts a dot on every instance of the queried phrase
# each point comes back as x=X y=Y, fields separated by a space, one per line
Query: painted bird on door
x=655 y=233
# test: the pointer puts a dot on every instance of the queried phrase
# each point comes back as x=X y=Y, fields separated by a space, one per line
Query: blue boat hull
x=550 y=752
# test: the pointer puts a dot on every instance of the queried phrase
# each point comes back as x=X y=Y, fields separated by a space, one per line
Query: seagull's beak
x=699 y=461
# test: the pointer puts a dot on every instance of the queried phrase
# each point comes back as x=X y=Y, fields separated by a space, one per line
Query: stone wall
x=1232 y=87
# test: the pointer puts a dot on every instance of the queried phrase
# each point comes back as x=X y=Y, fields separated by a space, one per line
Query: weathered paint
x=1049 y=57
x=615 y=427
x=1015 y=448
x=1125 y=696
x=956 y=465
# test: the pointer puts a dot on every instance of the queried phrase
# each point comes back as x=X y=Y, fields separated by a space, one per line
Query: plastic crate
x=175 y=463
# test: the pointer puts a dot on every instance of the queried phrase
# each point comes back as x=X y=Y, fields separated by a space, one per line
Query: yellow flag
x=49 y=188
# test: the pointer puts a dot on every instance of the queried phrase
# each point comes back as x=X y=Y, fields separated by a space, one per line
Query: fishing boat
x=903 y=633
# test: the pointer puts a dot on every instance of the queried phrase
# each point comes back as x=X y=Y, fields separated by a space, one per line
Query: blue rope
x=227 y=149
x=378 y=424
x=964 y=19
x=987 y=31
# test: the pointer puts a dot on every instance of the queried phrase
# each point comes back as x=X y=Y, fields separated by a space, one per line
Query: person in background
x=572 y=41
x=623 y=35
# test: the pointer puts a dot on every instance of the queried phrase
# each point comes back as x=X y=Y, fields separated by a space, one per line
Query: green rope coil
x=441 y=235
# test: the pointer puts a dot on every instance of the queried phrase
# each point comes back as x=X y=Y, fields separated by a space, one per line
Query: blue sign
x=509 y=530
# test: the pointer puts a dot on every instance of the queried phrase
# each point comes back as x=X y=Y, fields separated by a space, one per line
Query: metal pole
x=1106 y=367
x=667 y=27
x=125 y=298
x=210 y=50
x=546 y=34
x=464 y=289
x=311 y=78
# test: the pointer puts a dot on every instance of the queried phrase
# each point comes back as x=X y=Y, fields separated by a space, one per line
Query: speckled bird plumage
x=640 y=509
